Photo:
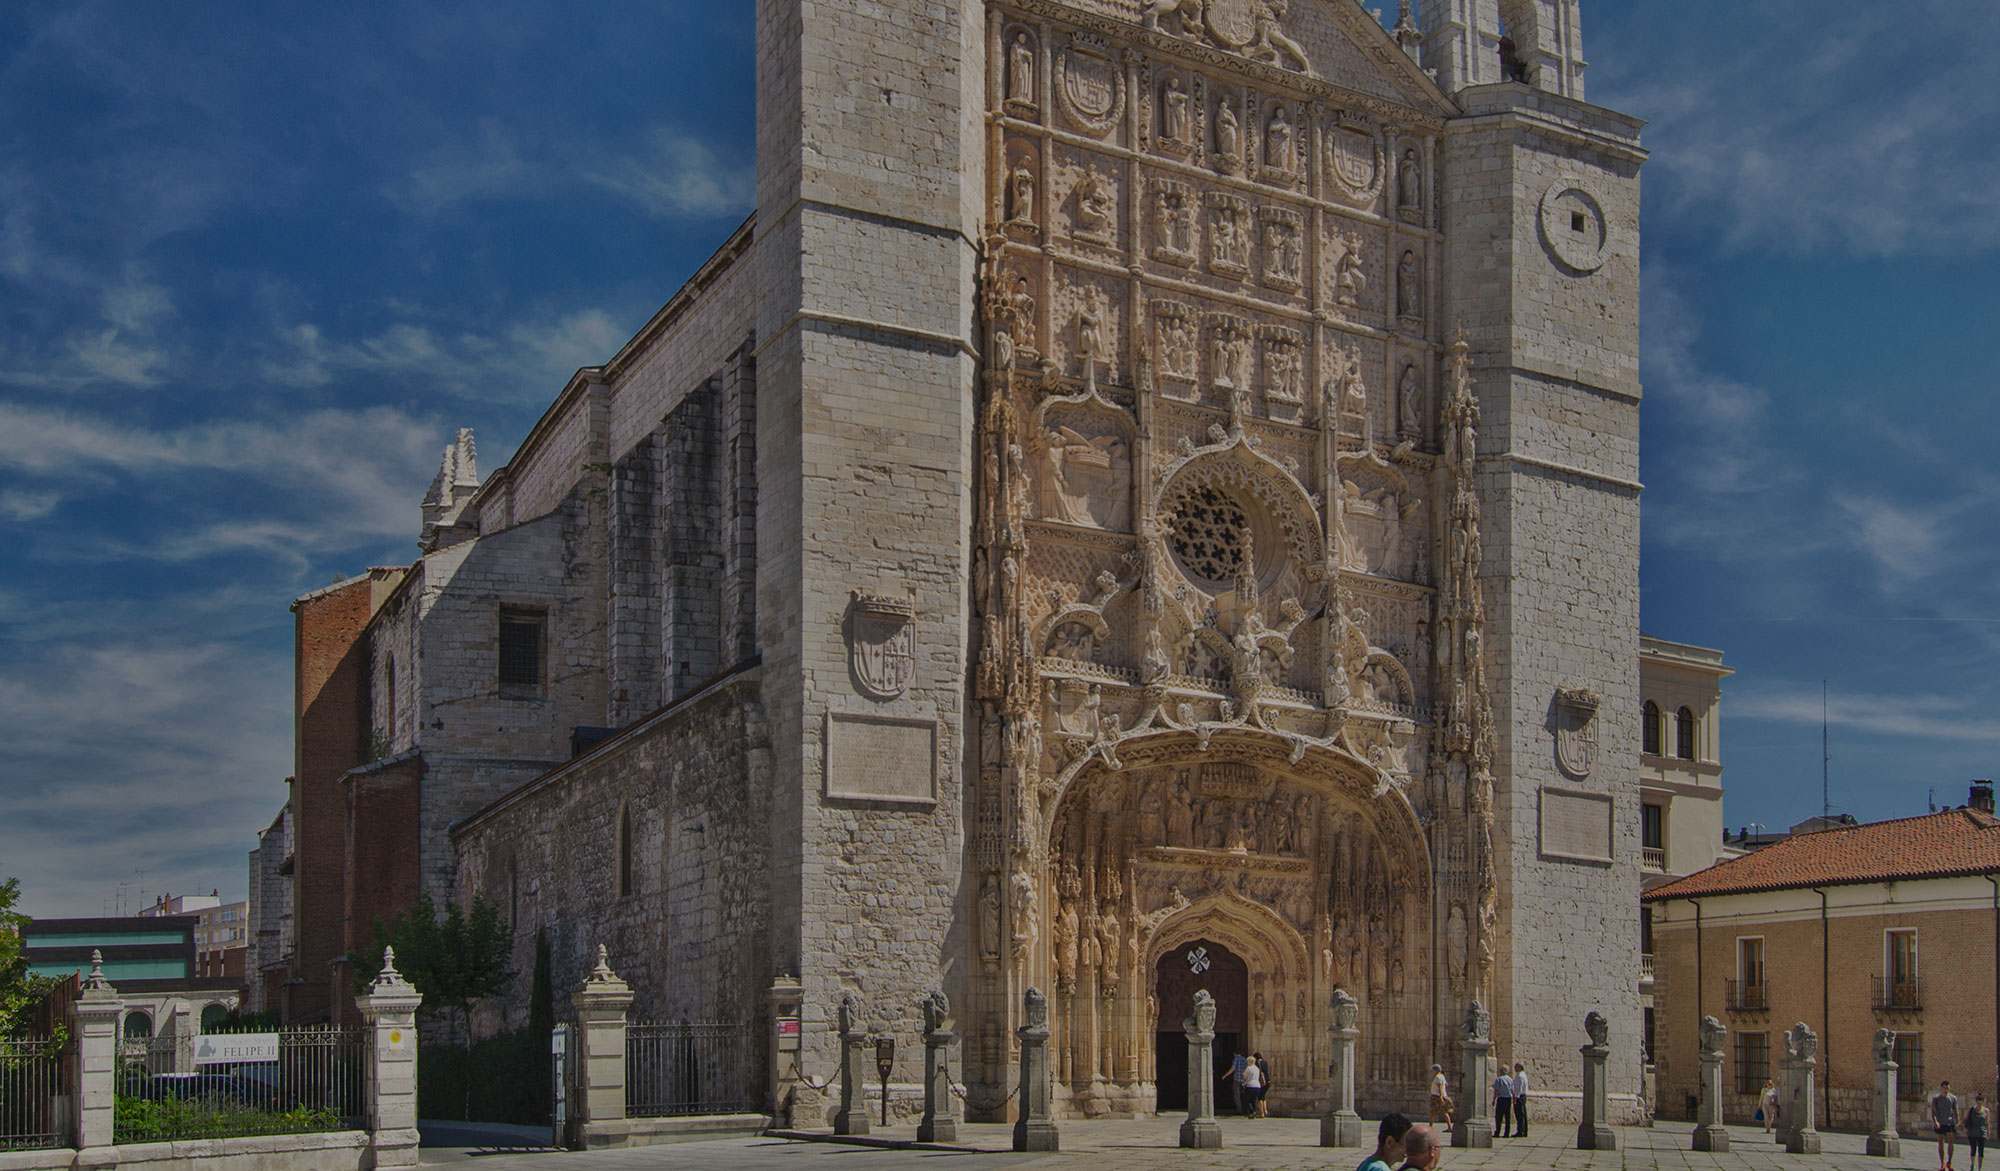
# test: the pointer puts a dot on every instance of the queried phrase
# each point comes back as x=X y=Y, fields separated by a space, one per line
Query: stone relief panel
x=1355 y=166
x=1380 y=520
x=1176 y=346
x=1350 y=269
x=1180 y=118
x=1086 y=475
x=1090 y=205
x=1023 y=95
x=1231 y=227
x=1020 y=190
x=1090 y=328
x=1089 y=87
x=1282 y=236
x=1176 y=209
x=1284 y=373
x=1410 y=290
x=1256 y=29
x=1281 y=158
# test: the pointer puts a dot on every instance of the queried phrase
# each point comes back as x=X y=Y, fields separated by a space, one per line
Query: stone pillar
x=98 y=1010
x=785 y=995
x=1473 y=1125
x=1342 y=1126
x=937 y=1125
x=1594 y=1133
x=389 y=1012
x=1709 y=1132
x=1035 y=1129
x=853 y=1115
x=1200 y=1131
x=1801 y=1063
x=1886 y=1141
x=601 y=1004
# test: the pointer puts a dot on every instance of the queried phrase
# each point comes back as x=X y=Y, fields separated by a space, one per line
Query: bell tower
x=1547 y=43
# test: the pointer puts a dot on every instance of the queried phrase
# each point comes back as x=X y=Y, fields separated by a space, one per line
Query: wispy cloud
x=677 y=175
x=527 y=361
x=1901 y=717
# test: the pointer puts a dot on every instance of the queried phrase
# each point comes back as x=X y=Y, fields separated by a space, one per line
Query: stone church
x=1147 y=503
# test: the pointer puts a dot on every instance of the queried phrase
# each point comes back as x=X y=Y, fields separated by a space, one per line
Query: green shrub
x=145 y=1120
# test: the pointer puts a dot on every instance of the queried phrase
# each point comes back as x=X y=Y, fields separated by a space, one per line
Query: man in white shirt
x=1520 y=1100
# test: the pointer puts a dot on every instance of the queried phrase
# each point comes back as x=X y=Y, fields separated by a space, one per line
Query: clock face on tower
x=1574 y=226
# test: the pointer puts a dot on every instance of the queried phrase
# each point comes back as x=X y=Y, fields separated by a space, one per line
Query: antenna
x=1825 y=801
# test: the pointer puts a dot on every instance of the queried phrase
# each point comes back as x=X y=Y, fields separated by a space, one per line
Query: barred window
x=521 y=639
x=1753 y=1062
x=1910 y=1082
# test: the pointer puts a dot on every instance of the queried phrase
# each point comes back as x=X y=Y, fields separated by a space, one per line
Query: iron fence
x=318 y=1082
x=1892 y=995
x=32 y=1109
x=1743 y=997
x=686 y=1068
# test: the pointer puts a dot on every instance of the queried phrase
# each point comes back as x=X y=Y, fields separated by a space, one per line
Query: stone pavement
x=1274 y=1144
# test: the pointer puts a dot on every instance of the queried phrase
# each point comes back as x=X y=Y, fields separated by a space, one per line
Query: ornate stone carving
x=1173 y=222
x=1229 y=352
x=1021 y=193
x=1712 y=1033
x=1410 y=186
x=1575 y=227
x=1202 y=1019
x=1478 y=1023
x=1176 y=350
x=1022 y=894
x=1350 y=269
x=1599 y=1027
x=1021 y=73
x=881 y=644
x=1454 y=943
x=1089 y=90
x=1409 y=288
x=1801 y=1043
x=1885 y=1046
x=1354 y=161
x=1094 y=199
x=1229 y=228
x=1280 y=146
x=1379 y=517
x=1176 y=113
x=1284 y=371
x=1228 y=138
x=1409 y=405
x=1283 y=248
x=1346 y=1010
x=1576 y=730
x=1346 y=389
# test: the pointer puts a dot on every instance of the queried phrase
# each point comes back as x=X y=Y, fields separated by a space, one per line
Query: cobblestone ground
x=1276 y=1144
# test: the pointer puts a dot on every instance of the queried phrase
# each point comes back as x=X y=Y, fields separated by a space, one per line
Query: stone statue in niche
x=989 y=920
x=1231 y=357
x=1283 y=256
x=1021 y=70
x=1063 y=933
x=1409 y=184
x=1228 y=139
x=1177 y=347
x=1409 y=411
x=1374 y=522
x=1179 y=119
x=1093 y=205
x=1378 y=956
x=1409 y=288
x=1152 y=815
x=1177 y=223
x=1089 y=478
x=1454 y=943
x=1155 y=666
x=1090 y=337
x=1022 y=889
x=1278 y=142
x=1352 y=279
x=1021 y=194
x=1022 y=302
x=1074 y=641
x=1229 y=244
x=1180 y=816
x=1287 y=372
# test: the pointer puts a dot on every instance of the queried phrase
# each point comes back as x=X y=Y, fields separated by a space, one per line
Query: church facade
x=1148 y=503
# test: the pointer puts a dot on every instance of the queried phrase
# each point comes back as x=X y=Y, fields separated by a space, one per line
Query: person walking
x=1975 y=1134
x=1253 y=1086
x=1944 y=1120
x=1388 y=1144
x=1520 y=1100
x=1421 y=1149
x=1503 y=1103
x=1767 y=1105
x=1263 y=1084
x=1441 y=1105
x=1236 y=1063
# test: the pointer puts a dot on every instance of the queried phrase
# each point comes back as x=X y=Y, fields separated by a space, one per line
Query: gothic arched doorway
x=1201 y=963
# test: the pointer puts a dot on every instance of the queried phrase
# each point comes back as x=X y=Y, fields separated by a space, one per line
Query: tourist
x=1421 y=1149
x=1768 y=1104
x=1236 y=1063
x=1944 y=1120
x=1253 y=1086
x=1263 y=1084
x=1388 y=1144
x=1441 y=1105
x=1520 y=1100
x=1975 y=1133
x=1503 y=1103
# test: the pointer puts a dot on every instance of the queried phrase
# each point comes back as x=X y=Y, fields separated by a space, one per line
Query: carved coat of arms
x=882 y=644
x=1089 y=89
x=1576 y=731
x=1356 y=157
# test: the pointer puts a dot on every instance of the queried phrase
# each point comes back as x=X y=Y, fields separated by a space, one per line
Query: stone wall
x=690 y=932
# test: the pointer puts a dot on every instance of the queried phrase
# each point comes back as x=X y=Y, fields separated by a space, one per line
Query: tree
x=17 y=988
x=455 y=959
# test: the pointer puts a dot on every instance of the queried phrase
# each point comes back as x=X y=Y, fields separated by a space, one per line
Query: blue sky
x=258 y=261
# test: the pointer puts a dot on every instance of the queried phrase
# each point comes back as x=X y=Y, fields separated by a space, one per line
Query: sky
x=259 y=261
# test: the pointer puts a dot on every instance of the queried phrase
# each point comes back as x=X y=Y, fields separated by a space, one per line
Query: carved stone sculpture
x=1712 y=1033
x=1278 y=142
x=1228 y=139
x=1021 y=192
x=1409 y=183
x=1179 y=122
x=1346 y=1009
x=1409 y=411
x=1021 y=70
x=1478 y=1023
x=1599 y=1027
x=1409 y=288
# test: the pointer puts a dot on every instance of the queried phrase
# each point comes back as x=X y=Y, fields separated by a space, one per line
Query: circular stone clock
x=1575 y=227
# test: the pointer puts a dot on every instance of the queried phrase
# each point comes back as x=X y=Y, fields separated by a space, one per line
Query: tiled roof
x=1937 y=845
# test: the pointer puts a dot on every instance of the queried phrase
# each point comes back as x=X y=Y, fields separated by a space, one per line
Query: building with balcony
x=1680 y=781
x=1851 y=929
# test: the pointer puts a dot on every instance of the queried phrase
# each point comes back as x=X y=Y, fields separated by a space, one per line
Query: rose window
x=1209 y=527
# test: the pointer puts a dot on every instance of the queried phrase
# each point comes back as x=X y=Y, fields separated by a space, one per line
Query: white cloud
x=1899 y=716
x=526 y=362
x=25 y=506
x=488 y=166
x=1871 y=134
x=678 y=176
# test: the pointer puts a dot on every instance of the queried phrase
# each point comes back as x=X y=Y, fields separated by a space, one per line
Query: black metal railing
x=317 y=1082
x=1744 y=997
x=32 y=1114
x=1897 y=995
x=686 y=1068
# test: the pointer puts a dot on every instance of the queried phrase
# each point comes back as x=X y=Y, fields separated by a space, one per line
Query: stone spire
x=456 y=482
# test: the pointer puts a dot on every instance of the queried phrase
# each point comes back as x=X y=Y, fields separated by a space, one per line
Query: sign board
x=788 y=1034
x=235 y=1048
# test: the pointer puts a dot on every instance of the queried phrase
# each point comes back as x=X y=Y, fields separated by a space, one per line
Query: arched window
x=213 y=1017
x=624 y=851
x=138 y=1026
x=1650 y=725
x=1684 y=734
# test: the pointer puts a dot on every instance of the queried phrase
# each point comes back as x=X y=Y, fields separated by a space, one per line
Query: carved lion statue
x=937 y=1011
x=1599 y=1027
x=1712 y=1032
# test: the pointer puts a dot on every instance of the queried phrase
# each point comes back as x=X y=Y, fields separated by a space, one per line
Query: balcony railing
x=1645 y=965
x=1748 y=997
x=1653 y=858
x=1897 y=995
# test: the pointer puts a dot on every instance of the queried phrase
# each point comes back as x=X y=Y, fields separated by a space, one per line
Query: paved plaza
x=1265 y=1145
